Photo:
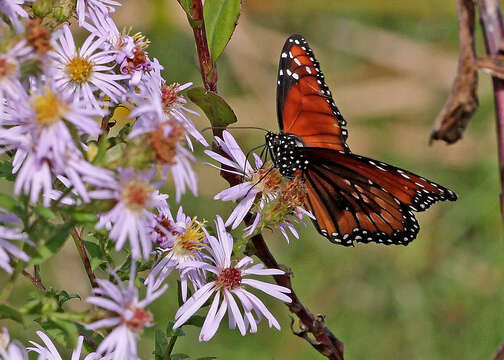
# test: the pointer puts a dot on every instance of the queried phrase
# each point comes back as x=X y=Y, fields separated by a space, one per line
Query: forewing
x=305 y=106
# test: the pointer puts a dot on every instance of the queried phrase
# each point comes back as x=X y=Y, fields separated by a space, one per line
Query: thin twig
x=34 y=280
x=499 y=355
x=81 y=249
x=463 y=99
x=493 y=66
x=323 y=339
x=493 y=32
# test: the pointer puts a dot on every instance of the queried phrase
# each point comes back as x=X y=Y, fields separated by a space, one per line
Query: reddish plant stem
x=81 y=248
x=34 y=280
x=207 y=67
x=493 y=32
x=322 y=338
x=499 y=355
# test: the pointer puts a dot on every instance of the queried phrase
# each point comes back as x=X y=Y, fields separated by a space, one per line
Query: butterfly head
x=284 y=150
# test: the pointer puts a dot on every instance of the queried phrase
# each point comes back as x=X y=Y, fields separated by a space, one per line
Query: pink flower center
x=229 y=278
x=169 y=95
x=136 y=193
x=7 y=68
x=140 y=319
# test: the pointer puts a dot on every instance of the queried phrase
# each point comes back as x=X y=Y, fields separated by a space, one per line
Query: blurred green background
x=390 y=65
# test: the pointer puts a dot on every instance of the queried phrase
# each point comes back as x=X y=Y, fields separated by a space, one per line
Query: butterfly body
x=353 y=198
x=284 y=152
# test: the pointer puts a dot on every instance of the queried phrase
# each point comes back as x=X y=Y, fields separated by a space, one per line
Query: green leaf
x=207 y=358
x=51 y=246
x=83 y=217
x=170 y=331
x=63 y=331
x=90 y=338
x=220 y=17
x=10 y=204
x=195 y=320
x=216 y=109
x=160 y=345
x=6 y=170
x=187 y=6
x=63 y=297
x=95 y=253
x=179 y=356
x=93 y=249
x=45 y=212
x=6 y=312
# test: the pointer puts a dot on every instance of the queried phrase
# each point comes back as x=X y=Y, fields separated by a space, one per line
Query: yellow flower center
x=136 y=193
x=49 y=109
x=79 y=69
x=190 y=241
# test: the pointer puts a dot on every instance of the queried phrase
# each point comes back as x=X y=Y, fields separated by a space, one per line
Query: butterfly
x=353 y=198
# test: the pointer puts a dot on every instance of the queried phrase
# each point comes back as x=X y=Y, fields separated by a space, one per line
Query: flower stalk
x=325 y=342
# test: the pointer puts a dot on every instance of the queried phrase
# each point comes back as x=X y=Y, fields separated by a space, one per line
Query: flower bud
x=64 y=10
x=42 y=8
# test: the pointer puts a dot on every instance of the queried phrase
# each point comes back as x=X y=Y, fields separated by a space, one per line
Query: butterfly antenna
x=248 y=154
x=261 y=179
x=264 y=153
x=234 y=127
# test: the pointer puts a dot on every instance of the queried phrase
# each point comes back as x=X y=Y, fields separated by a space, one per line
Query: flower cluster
x=58 y=104
x=275 y=200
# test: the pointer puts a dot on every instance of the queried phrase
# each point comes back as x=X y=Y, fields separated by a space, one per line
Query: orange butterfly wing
x=353 y=198
x=304 y=103
x=358 y=199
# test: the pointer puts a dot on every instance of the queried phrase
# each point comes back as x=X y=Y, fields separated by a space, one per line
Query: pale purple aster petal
x=193 y=304
x=270 y=289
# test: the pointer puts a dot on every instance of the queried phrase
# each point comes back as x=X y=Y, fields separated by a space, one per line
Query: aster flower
x=180 y=241
x=37 y=128
x=230 y=282
x=10 y=85
x=264 y=182
x=158 y=103
x=274 y=200
x=49 y=351
x=10 y=230
x=170 y=155
x=80 y=72
x=284 y=212
x=11 y=350
x=13 y=10
x=128 y=316
x=130 y=50
x=132 y=216
x=105 y=7
x=165 y=124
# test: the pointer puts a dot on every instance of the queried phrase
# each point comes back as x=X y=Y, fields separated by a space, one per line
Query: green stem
x=171 y=345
